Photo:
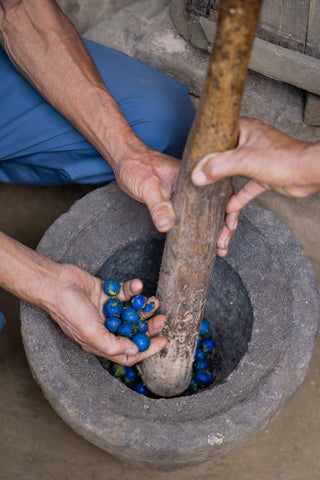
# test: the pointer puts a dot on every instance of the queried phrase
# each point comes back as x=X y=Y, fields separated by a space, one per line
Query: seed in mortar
x=130 y=373
x=140 y=388
x=118 y=370
x=199 y=354
x=205 y=327
x=208 y=345
x=201 y=364
x=203 y=378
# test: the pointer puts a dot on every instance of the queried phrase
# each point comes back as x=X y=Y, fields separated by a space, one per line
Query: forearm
x=25 y=273
x=46 y=48
x=309 y=168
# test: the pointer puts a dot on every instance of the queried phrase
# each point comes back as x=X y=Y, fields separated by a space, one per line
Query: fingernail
x=235 y=225
x=164 y=222
x=199 y=178
x=131 y=352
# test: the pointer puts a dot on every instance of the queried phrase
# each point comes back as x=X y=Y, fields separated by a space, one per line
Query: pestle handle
x=190 y=247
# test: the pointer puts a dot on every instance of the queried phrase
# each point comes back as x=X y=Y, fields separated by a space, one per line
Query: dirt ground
x=37 y=445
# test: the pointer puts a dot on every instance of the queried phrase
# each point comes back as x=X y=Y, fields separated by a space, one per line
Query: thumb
x=215 y=166
x=161 y=209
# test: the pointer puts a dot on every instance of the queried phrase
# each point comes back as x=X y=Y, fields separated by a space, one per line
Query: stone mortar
x=263 y=307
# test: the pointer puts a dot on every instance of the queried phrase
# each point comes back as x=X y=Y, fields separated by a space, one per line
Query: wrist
x=309 y=168
x=27 y=274
x=111 y=133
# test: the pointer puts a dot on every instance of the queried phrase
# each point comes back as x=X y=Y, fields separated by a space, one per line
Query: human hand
x=271 y=159
x=150 y=177
x=77 y=306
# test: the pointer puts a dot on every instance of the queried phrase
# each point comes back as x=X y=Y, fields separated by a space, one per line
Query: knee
x=169 y=116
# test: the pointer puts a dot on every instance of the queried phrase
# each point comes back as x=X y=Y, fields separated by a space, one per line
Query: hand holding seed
x=79 y=312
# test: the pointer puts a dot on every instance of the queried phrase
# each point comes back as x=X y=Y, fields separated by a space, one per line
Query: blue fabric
x=38 y=146
x=2 y=321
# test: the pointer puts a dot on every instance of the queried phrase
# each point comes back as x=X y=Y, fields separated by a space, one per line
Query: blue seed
x=138 y=302
x=140 y=388
x=199 y=354
x=2 y=321
x=142 y=341
x=205 y=327
x=130 y=315
x=208 y=345
x=118 y=370
x=203 y=378
x=125 y=330
x=129 y=383
x=111 y=287
x=142 y=326
x=193 y=387
x=201 y=364
x=113 y=308
x=105 y=363
x=149 y=307
x=130 y=373
x=112 y=324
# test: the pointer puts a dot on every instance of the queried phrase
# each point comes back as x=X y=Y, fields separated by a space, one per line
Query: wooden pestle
x=190 y=247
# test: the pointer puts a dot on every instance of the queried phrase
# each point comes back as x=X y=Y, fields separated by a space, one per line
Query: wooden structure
x=287 y=47
x=290 y=24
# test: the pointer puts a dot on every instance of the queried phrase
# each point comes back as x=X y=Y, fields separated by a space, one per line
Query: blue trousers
x=39 y=146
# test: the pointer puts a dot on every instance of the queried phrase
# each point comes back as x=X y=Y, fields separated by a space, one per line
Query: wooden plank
x=313 y=33
x=285 y=23
x=276 y=62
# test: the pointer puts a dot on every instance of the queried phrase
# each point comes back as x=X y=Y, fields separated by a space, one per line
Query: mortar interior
x=228 y=307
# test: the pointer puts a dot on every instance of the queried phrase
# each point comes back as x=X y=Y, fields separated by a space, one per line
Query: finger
x=246 y=193
x=155 y=325
x=151 y=306
x=224 y=239
x=129 y=289
x=215 y=166
x=160 y=207
x=231 y=220
x=98 y=340
x=222 y=252
x=156 y=345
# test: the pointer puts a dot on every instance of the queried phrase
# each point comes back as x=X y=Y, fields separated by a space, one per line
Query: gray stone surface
x=84 y=14
x=274 y=353
x=312 y=109
x=125 y=29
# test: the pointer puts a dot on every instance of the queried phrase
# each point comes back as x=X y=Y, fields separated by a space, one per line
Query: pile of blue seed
x=127 y=320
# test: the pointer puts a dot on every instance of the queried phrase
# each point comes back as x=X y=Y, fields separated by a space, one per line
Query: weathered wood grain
x=290 y=24
x=190 y=246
